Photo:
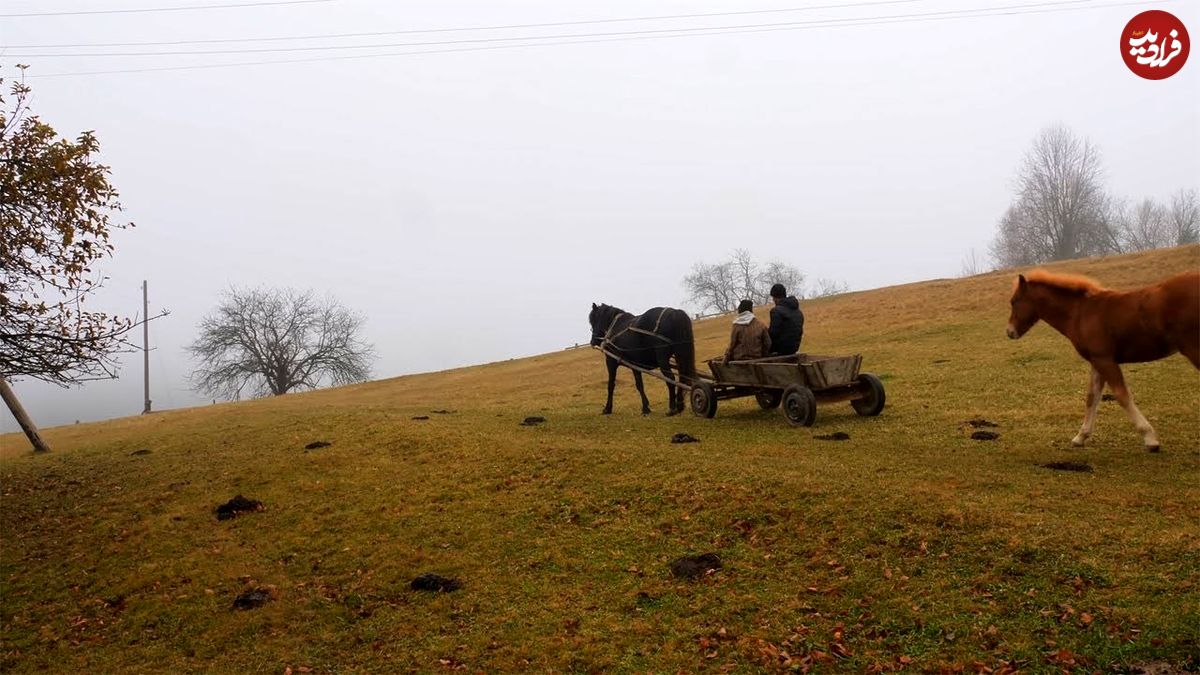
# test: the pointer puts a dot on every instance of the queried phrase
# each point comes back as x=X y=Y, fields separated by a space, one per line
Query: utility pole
x=146 y=342
x=27 y=425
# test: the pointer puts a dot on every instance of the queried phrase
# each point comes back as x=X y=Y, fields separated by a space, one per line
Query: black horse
x=647 y=341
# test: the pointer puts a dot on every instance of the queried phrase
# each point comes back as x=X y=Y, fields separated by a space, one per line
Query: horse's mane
x=1073 y=283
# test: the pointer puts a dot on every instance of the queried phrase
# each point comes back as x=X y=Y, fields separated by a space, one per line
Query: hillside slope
x=907 y=546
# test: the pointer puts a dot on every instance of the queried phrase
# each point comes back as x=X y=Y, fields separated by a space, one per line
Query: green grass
x=909 y=545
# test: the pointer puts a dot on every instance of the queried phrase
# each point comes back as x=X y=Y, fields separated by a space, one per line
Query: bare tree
x=712 y=286
x=1018 y=242
x=273 y=341
x=1150 y=225
x=972 y=265
x=1142 y=227
x=745 y=276
x=777 y=272
x=1060 y=209
x=723 y=285
x=827 y=287
x=1184 y=217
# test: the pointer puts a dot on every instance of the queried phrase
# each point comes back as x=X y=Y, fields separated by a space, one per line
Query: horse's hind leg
x=637 y=380
x=675 y=402
x=1111 y=373
x=672 y=406
x=680 y=391
x=1093 y=402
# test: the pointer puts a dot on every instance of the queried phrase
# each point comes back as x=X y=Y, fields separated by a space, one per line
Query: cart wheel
x=704 y=399
x=871 y=403
x=799 y=405
x=768 y=399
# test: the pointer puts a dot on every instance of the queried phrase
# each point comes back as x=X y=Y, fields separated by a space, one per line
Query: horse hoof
x=1078 y=441
x=672 y=413
x=1153 y=448
x=645 y=412
x=606 y=412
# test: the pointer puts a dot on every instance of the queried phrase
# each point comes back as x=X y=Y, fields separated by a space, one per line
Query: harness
x=609 y=348
x=609 y=337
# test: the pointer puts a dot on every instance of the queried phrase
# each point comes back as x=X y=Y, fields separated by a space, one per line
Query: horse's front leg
x=1095 y=387
x=1111 y=373
x=637 y=380
x=612 y=381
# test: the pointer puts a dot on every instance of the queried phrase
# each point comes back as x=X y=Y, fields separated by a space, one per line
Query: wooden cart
x=798 y=382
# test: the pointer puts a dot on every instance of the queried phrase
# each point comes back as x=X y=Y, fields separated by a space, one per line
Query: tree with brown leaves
x=57 y=211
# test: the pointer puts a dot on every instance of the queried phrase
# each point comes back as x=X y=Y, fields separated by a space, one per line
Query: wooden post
x=146 y=344
x=18 y=412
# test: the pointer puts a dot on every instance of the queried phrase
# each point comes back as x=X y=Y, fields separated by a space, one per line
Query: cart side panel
x=825 y=372
x=777 y=375
x=812 y=370
x=737 y=372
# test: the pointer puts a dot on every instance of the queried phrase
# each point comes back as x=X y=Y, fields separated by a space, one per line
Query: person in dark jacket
x=787 y=322
x=749 y=339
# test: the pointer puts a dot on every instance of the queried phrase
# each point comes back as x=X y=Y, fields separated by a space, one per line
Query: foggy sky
x=474 y=204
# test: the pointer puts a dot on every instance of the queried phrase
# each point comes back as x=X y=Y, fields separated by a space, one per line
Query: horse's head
x=602 y=318
x=595 y=317
x=1024 y=310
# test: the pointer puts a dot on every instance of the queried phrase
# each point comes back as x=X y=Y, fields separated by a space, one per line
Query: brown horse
x=1110 y=327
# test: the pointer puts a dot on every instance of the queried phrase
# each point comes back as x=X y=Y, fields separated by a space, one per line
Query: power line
x=648 y=31
x=169 y=9
x=553 y=24
x=856 y=22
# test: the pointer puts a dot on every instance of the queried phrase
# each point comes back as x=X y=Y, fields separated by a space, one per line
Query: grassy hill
x=908 y=546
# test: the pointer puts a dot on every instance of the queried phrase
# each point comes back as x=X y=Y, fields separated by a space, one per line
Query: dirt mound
x=237 y=506
x=835 y=436
x=695 y=566
x=984 y=436
x=1068 y=466
x=253 y=598
x=435 y=583
x=532 y=421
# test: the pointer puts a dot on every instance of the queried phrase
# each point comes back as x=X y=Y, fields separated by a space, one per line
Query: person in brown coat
x=750 y=338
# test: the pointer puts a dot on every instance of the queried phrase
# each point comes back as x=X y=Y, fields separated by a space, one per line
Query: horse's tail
x=685 y=350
